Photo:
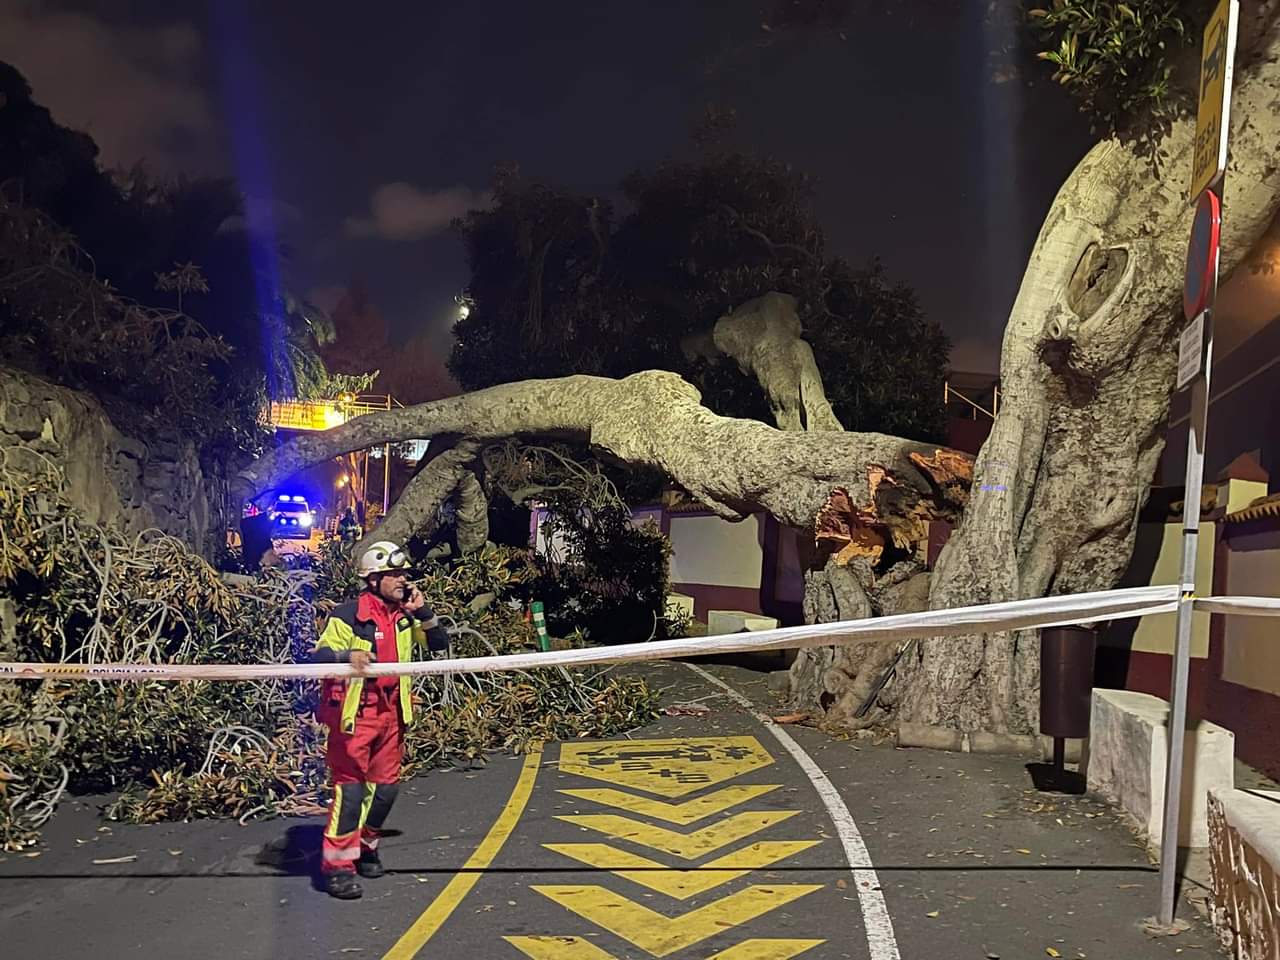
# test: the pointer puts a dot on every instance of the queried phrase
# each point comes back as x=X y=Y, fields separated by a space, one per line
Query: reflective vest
x=345 y=632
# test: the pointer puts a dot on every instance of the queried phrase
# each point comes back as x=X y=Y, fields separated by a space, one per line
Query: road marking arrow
x=661 y=935
x=690 y=846
x=681 y=884
x=682 y=814
x=576 y=948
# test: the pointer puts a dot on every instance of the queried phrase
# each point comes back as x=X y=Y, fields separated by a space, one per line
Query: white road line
x=875 y=914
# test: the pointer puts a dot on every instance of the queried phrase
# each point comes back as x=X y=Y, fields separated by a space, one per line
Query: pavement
x=712 y=837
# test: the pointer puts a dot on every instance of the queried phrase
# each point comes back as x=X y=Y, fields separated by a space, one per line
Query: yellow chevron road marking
x=669 y=768
x=690 y=846
x=661 y=935
x=682 y=814
x=558 y=948
x=576 y=948
x=681 y=884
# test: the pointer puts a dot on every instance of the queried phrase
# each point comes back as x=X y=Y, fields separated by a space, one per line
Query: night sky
x=358 y=133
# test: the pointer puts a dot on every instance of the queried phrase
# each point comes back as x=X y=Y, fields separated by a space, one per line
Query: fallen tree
x=1087 y=370
x=72 y=591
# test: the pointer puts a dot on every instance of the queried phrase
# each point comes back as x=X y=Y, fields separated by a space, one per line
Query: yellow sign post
x=1213 y=118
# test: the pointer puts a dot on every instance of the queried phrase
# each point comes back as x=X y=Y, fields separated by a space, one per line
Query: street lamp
x=464 y=305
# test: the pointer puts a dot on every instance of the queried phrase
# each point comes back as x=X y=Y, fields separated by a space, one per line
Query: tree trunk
x=735 y=467
x=1087 y=368
x=764 y=337
x=414 y=510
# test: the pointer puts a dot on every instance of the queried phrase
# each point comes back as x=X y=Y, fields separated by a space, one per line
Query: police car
x=291 y=518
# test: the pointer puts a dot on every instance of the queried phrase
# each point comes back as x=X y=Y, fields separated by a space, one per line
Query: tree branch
x=654 y=418
x=414 y=510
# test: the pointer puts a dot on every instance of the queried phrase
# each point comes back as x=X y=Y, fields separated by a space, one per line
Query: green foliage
x=603 y=578
x=59 y=320
x=1114 y=57
x=609 y=581
x=557 y=290
x=85 y=593
x=86 y=257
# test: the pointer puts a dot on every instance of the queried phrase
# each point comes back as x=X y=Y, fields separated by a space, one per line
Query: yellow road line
x=661 y=935
x=460 y=884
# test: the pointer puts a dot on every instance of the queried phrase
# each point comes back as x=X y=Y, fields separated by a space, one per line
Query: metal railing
x=326 y=414
x=971 y=408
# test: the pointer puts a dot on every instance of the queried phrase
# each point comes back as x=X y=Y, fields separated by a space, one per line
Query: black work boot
x=343 y=885
x=370 y=864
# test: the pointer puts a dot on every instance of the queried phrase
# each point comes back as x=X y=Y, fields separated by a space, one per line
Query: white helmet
x=383 y=557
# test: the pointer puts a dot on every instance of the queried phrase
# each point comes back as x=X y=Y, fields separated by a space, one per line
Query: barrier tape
x=1248 y=606
x=1039 y=612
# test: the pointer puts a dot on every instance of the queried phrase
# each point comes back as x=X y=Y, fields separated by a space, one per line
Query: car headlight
x=305 y=520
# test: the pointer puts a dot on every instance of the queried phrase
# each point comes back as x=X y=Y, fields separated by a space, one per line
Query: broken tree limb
x=766 y=339
x=415 y=509
x=735 y=467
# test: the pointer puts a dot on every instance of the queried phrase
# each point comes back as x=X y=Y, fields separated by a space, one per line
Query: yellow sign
x=669 y=768
x=1213 y=119
x=721 y=850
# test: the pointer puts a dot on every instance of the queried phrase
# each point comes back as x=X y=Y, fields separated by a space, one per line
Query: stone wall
x=139 y=484
x=1244 y=855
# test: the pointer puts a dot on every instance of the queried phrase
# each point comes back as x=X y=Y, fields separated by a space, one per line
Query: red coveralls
x=365 y=763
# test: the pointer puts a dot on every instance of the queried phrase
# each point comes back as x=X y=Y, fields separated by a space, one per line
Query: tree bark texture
x=764 y=336
x=1087 y=369
x=414 y=511
x=736 y=467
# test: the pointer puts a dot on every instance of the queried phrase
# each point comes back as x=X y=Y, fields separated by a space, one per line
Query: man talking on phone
x=367 y=716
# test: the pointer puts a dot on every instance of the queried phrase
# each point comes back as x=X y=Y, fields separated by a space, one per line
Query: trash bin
x=1066 y=684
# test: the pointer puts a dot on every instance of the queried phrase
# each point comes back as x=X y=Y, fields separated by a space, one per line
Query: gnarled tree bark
x=1087 y=368
x=655 y=418
x=764 y=336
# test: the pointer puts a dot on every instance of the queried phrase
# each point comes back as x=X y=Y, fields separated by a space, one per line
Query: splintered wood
x=897 y=512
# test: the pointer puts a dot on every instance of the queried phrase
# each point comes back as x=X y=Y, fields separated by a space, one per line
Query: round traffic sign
x=1202 y=255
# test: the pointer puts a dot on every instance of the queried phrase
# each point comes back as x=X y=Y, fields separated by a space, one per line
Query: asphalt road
x=706 y=837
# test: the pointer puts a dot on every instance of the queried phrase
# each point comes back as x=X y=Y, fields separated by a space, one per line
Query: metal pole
x=1182 y=646
x=386 y=479
x=364 y=486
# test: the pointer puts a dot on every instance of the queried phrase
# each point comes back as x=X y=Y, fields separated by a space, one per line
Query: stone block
x=679 y=604
x=1244 y=861
x=1004 y=744
x=1126 y=756
x=929 y=737
x=720 y=622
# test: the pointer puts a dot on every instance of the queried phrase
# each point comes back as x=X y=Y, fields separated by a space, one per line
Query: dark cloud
x=401 y=211
x=135 y=89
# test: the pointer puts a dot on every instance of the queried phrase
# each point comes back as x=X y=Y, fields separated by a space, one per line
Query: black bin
x=1066 y=681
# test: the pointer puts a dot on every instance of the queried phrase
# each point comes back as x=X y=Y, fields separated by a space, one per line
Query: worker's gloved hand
x=413 y=599
x=360 y=660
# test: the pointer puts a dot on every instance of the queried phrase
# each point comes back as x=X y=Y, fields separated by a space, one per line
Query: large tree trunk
x=1086 y=370
x=764 y=337
x=736 y=467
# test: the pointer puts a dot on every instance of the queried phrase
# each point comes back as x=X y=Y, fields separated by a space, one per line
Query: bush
x=79 y=592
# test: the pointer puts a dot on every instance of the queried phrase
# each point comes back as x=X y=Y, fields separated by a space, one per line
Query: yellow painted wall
x=1155 y=634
